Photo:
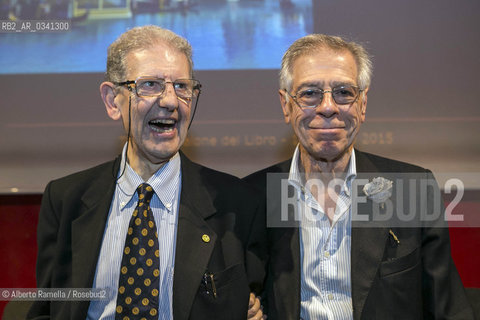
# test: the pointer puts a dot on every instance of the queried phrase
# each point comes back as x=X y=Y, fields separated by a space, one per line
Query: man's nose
x=168 y=99
x=328 y=106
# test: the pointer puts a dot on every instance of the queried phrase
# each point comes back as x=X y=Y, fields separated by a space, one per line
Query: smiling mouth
x=327 y=129
x=162 y=125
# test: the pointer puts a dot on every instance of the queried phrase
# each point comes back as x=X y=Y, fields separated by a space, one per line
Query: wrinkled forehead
x=325 y=67
x=155 y=59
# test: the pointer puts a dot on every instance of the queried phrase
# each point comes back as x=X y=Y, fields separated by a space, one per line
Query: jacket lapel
x=368 y=243
x=87 y=234
x=285 y=266
x=285 y=270
x=193 y=251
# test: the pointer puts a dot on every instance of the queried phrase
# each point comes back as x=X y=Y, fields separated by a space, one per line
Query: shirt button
x=330 y=296
x=326 y=254
x=122 y=204
x=168 y=205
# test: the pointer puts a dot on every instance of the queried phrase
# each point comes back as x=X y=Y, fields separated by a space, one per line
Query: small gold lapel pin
x=394 y=236
x=206 y=238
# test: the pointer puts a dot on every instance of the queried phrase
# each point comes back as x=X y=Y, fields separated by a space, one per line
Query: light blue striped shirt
x=166 y=183
x=324 y=250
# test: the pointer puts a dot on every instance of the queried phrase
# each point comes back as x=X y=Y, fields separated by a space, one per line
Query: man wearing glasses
x=164 y=237
x=328 y=258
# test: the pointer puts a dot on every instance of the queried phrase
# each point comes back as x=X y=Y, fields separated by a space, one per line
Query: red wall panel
x=18 y=249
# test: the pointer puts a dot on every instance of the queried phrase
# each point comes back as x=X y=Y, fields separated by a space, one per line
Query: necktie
x=138 y=283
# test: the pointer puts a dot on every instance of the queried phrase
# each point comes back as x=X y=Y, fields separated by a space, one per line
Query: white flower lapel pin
x=378 y=190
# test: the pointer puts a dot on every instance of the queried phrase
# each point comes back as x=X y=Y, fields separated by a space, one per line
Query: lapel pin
x=206 y=238
x=394 y=236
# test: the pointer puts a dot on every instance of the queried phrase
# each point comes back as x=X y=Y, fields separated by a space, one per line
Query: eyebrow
x=320 y=84
x=149 y=77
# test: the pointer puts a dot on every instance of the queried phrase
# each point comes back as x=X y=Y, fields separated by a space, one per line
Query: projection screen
x=422 y=105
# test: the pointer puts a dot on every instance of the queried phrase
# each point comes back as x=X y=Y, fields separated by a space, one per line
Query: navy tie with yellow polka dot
x=138 y=283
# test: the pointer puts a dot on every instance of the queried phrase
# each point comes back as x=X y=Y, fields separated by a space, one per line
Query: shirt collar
x=165 y=182
x=295 y=176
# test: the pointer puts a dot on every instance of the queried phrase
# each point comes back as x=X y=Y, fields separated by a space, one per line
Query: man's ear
x=285 y=105
x=107 y=91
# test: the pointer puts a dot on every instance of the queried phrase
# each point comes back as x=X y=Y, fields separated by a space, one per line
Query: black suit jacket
x=415 y=279
x=72 y=221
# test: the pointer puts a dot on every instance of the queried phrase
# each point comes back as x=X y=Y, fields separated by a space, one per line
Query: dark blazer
x=72 y=221
x=415 y=279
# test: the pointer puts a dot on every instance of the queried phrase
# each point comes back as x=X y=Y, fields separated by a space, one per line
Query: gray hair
x=309 y=44
x=140 y=38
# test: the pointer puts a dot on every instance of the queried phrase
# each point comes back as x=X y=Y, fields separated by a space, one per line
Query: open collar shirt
x=166 y=183
x=324 y=249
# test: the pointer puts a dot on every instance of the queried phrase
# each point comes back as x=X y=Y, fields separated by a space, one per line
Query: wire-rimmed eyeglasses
x=185 y=89
x=312 y=97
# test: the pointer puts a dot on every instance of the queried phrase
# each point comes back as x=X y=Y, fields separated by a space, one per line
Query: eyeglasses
x=312 y=97
x=185 y=89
